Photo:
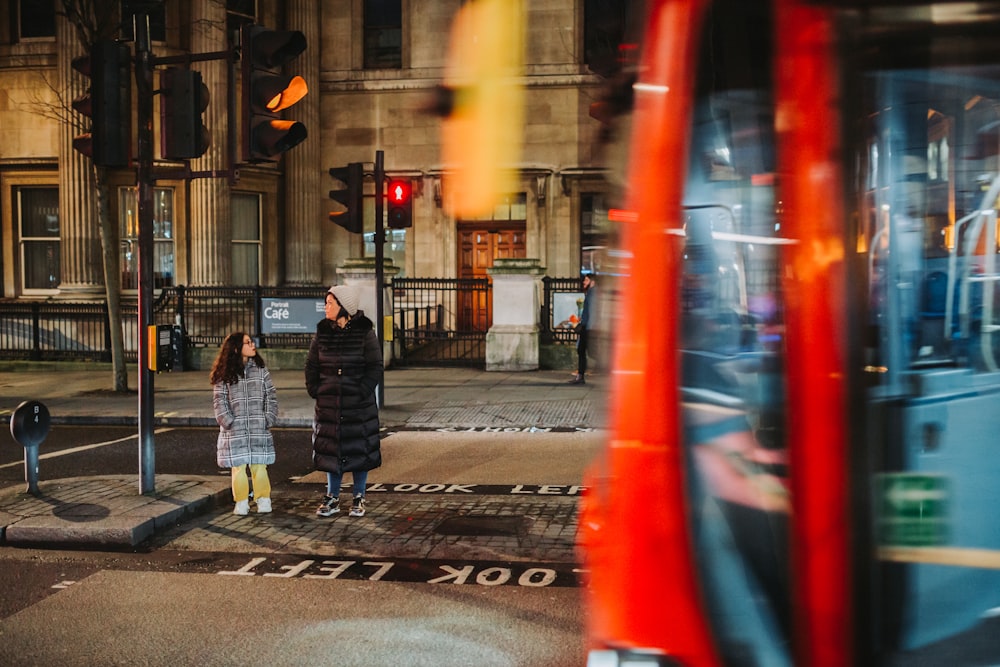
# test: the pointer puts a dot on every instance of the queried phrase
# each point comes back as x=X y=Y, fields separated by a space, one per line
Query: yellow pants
x=261 y=483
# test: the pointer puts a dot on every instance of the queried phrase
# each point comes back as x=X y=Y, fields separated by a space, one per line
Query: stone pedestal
x=360 y=272
x=512 y=341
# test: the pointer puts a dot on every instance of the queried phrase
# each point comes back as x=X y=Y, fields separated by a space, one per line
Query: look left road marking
x=83 y=448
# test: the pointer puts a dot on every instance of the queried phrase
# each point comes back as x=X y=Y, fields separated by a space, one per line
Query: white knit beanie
x=348 y=296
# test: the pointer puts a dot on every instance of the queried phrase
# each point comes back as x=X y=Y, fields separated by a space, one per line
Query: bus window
x=731 y=333
x=925 y=140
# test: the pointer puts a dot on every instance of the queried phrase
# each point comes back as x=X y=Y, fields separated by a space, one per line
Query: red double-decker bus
x=803 y=461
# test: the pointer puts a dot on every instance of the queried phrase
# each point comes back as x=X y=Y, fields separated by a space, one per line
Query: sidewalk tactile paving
x=556 y=414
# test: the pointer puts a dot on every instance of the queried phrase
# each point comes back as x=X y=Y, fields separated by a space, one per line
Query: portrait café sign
x=290 y=315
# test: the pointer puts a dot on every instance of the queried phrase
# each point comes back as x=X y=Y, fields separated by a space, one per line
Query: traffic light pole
x=379 y=268
x=144 y=112
x=145 y=63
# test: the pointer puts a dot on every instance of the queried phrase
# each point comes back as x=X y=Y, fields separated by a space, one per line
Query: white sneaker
x=263 y=505
x=358 y=506
x=329 y=506
x=242 y=508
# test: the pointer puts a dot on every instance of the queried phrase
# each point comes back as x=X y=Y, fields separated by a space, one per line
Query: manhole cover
x=481 y=525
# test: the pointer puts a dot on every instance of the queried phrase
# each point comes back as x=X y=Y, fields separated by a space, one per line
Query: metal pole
x=379 y=269
x=144 y=90
x=31 y=469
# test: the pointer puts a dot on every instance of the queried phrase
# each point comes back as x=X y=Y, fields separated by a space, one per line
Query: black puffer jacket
x=342 y=371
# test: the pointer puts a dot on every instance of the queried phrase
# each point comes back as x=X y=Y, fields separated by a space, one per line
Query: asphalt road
x=154 y=618
x=74 y=451
x=376 y=592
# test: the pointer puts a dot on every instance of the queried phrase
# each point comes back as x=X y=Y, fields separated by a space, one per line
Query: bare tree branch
x=93 y=21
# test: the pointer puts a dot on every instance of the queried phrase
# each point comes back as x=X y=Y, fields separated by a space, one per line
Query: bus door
x=922 y=126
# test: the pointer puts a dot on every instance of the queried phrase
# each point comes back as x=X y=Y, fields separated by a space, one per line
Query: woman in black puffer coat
x=343 y=369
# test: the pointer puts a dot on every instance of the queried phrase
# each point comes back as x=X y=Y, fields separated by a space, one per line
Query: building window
x=593 y=226
x=163 y=237
x=383 y=34
x=393 y=249
x=38 y=224
x=238 y=14
x=157 y=18
x=606 y=32
x=510 y=208
x=36 y=19
x=246 y=239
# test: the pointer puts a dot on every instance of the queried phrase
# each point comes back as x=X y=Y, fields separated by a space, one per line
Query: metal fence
x=61 y=331
x=208 y=314
x=436 y=321
x=441 y=321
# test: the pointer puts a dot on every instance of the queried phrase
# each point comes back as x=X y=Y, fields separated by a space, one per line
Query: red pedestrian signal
x=400 y=199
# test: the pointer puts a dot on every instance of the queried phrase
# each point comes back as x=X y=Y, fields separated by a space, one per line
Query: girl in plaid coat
x=246 y=407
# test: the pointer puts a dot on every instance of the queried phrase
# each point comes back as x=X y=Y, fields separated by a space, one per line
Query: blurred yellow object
x=481 y=133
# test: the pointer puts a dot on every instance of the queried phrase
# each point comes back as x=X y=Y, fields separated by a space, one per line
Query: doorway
x=478 y=245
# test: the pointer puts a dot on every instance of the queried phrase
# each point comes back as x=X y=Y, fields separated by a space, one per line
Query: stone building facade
x=372 y=67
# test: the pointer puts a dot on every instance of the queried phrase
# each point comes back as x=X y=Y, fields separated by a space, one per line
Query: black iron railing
x=208 y=314
x=62 y=330
x=441 y=321
x=435 y=320
x=59 y=331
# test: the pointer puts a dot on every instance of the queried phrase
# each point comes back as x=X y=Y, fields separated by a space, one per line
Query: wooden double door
x=478 y=246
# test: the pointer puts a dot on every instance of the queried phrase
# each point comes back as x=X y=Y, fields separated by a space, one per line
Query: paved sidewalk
x=424 y=397
x=108 y=512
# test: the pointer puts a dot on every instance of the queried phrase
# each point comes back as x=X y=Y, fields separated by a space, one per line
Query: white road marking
x=83 y=448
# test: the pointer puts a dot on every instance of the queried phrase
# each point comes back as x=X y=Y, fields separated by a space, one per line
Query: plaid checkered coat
x=246 y=411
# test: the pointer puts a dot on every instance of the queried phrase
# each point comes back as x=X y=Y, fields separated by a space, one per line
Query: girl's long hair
x=228 y=366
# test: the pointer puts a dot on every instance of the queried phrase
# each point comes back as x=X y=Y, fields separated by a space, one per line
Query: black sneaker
x=329 y=506
x=358 y=506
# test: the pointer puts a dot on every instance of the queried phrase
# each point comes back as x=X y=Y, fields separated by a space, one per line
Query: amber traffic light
x=351 y=196
x=267 y=91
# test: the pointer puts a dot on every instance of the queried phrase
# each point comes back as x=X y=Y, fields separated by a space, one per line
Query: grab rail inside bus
x=987 y=205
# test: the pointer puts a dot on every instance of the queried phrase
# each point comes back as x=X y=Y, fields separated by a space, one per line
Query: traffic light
x=266 y=92
x=352 y=197
x=400 y=200
x=183 y=98
x=616 y=99
x=108 y=104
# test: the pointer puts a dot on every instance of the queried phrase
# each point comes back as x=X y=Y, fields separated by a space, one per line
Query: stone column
x=303 y=170
x=80 y=264
x=210 y=224
x=512 y=341
x=360 y=271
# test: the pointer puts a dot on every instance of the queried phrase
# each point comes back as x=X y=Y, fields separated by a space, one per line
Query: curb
x=122 y=521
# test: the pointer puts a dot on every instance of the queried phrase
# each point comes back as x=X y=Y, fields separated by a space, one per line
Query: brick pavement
x=396 y=526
